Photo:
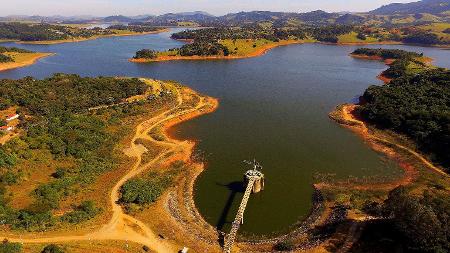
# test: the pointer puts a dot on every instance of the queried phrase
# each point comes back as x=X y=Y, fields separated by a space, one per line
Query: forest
x=41 y=32
x=324 y=33
x=44 y=32
x=415 y=103
x=135 y=28
x=58 y=122
x=386 y=53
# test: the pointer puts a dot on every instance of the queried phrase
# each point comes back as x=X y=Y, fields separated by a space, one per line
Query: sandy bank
x=33 y=57
x=260 y=51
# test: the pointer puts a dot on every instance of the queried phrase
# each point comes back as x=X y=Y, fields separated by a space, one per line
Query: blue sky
x=217 y=7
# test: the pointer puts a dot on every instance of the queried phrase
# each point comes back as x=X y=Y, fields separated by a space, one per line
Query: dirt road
x=122 y=226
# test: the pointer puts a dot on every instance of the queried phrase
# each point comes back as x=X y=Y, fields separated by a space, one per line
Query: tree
x=423 y=221
x=146 y=54
x=52 y=248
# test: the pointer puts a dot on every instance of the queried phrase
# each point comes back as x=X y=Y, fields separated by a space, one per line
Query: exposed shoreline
x=31 y=61
x=54 y=42
x=260 y=51
x=263 y=50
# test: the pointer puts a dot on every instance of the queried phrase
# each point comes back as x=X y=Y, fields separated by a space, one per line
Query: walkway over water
x=255 y=184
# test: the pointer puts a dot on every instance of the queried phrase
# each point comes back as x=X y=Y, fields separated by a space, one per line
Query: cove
x=273 y=108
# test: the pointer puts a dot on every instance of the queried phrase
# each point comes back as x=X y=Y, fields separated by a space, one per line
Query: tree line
x=413 y=103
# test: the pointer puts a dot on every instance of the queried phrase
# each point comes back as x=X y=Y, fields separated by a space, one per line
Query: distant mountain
x=349 y=19
x=118 y=19
x=194 y=13
x=424 y=11
x=424 y=6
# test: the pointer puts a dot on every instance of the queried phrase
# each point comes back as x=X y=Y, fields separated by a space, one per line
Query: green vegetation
x=387 y=53
x=146 y=54
x=44 y=32
x=135 y=28
x=203 y=48
x=86 y=211
x=147 y=189
x=7 y=58
x=8 y=247
x=52 y=248
x=59 y=122
x=422 y=220
x=424 y=38
x=416 y=103
x=48 y=32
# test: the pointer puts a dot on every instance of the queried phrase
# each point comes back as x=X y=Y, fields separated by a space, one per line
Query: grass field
x=244 y=47
x=352 y=38
x=21 y=59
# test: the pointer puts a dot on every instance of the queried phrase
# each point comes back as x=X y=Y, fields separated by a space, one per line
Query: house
x=6 y=128
x=12 y=117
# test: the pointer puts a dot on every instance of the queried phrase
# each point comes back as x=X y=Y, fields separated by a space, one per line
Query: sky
x=155 y=7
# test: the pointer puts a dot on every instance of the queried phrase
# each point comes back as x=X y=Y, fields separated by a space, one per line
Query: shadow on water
x=234 y=188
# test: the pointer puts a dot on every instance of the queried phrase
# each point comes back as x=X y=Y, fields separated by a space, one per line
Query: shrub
x=5 y=58
x=52 y=248
x=84 y=212
x=9 y=247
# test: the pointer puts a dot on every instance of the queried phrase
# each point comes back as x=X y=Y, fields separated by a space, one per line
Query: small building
x=12 y=117
x=6 y=128
x=184 y=250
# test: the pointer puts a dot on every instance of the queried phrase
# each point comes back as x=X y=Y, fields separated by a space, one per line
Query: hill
x=424 y=6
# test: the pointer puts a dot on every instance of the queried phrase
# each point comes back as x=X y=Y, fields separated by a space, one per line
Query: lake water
x=273 y=108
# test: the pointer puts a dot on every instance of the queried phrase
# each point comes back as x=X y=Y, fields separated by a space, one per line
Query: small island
x=12 y=57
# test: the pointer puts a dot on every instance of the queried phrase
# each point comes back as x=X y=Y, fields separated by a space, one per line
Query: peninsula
x=11 y=57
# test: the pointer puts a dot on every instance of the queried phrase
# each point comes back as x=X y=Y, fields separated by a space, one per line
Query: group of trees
x=422 y=220
x=135 y=28
x=416 y=104
x=423 y=38
x=386 y=53
x=321 y=33
x=147 y=189
x=58 y=121
x=41 y=32
x=203 y=48
x=10 y=247
x=6 y=58
x=330 y=33
x=146 y=54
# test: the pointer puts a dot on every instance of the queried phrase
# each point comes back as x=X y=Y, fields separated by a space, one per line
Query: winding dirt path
x=124 y=227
